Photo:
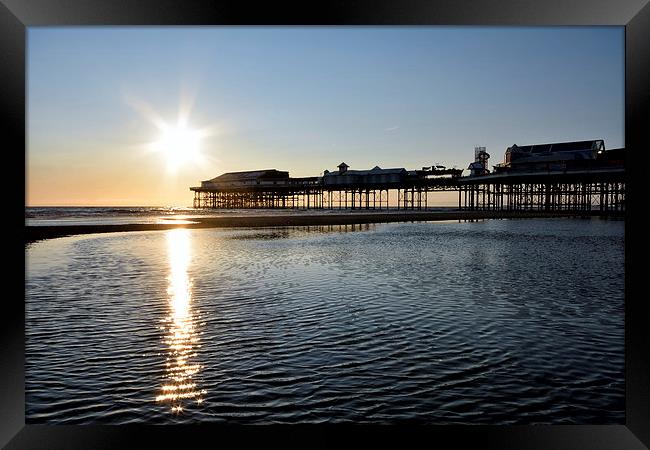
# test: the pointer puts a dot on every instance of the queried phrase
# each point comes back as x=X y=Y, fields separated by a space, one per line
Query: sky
x=101 y=101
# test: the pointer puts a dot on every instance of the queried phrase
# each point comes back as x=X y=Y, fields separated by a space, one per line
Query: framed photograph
x=384 y=220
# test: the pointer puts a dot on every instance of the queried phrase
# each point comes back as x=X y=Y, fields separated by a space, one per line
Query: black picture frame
x=634 y=15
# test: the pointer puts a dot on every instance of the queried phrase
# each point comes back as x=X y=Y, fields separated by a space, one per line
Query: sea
x=117 y=215
x=512 y=321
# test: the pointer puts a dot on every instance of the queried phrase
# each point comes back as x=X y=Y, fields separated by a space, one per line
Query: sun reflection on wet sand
x=181 y=339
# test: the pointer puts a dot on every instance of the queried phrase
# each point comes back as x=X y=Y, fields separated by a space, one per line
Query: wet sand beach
x=36 y=233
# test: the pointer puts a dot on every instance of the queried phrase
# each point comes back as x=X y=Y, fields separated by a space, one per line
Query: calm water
x=102 y=215
x=503 y=321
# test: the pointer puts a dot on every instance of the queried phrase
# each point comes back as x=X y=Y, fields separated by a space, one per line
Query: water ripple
x=500 y=322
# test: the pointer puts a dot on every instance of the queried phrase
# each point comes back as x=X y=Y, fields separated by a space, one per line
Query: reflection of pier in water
x=286 y=232
x=182 y=340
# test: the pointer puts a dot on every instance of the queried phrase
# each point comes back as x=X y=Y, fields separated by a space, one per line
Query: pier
x=569 y=176
x=579 y=190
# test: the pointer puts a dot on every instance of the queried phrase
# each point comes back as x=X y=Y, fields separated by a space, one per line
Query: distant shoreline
x=37 y=233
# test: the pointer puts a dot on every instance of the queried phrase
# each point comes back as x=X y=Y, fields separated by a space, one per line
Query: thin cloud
x=391 y=128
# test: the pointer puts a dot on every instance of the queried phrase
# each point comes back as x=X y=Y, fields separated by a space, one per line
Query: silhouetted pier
x=583 y=190
x=575 y=176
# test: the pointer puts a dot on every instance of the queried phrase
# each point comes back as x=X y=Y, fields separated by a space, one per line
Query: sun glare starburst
x=179 y=144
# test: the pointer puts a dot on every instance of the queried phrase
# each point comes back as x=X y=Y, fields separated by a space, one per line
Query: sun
x=179 y=144
x=176 y=143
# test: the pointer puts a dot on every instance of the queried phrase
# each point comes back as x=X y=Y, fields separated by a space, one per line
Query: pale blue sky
x=304 y=99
